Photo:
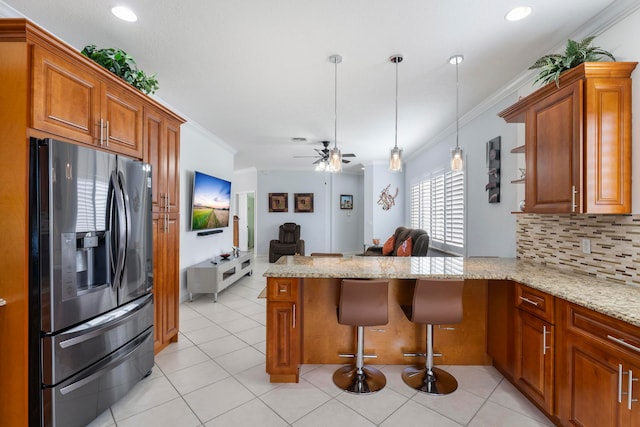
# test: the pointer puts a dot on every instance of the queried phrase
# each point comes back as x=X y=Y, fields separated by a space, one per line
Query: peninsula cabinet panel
x=500 y=326
x=162 y=141
x=578 y=141
x=598 y=367
x=283 y=330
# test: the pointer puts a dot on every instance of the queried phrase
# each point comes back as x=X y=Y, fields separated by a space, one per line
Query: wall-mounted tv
x=211 y=202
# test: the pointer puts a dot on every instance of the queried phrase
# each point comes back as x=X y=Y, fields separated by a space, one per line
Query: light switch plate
x=586 y=246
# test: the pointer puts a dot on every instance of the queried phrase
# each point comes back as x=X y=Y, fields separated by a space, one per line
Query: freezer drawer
x=81 y=398
x=66 y=353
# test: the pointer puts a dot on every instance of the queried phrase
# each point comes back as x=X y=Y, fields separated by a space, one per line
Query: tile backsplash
x=556 y=240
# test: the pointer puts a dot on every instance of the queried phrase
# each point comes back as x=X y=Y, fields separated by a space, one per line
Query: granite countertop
x=613 y=299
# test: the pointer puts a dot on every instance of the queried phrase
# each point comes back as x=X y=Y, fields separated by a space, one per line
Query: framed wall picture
x=278 y=202
x=346 y=201
x=303 y=202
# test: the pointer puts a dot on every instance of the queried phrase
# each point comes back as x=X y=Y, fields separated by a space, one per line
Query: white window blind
x=437 y=206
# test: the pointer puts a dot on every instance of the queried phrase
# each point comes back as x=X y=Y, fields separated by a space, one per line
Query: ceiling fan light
x=457 y=159
x=395 y=160
x=321 y=166
x=335 y=160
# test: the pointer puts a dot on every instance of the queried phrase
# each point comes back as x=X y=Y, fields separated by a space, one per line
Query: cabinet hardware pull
x=573 y=198
x=101 y=130
x=168 y=202
x=529 y=301
x=630 y=398
x=107 y=134
x=620 y=383
x=544 y=340
x=294 y=317
x=624 y=343
x=446 y=328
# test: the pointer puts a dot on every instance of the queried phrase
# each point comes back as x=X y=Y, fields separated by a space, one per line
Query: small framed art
x=278 y=202
x=346 y=201
x=303 y=202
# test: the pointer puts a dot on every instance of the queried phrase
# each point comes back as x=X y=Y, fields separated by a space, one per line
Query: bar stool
x=434 y=302
x=362 y=303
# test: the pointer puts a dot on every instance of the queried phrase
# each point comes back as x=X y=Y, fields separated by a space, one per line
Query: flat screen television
x=211 y=199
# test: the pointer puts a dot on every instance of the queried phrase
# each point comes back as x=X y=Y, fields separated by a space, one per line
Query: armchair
x=288 y=242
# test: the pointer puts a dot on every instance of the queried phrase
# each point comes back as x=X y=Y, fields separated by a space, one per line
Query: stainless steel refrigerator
x=91 y=276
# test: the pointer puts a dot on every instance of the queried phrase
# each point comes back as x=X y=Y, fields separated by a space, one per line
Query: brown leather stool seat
x=435 y=302
x=362 y=303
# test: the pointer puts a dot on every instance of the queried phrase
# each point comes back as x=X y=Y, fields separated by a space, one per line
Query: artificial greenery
x=576 y=53
x=122 y=65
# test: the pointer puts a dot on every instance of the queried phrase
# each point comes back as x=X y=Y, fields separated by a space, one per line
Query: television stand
x=213 y=276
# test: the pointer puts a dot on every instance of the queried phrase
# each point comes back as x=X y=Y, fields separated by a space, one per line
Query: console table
x=213 y=276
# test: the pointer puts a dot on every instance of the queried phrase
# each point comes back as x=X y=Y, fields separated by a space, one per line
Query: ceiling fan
x=323 y=154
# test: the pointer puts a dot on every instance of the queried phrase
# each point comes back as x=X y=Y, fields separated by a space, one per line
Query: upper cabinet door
x=65 y=98
x=554 y=152
x=122 y=121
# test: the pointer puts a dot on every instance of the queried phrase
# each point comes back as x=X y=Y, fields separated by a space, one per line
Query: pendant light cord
x=396 y=134
x=457 y=101
x=335 y=109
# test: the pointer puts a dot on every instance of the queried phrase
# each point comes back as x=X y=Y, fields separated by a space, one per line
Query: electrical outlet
x=586 y=246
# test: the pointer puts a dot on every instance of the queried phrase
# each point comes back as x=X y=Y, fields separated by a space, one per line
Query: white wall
x=381 y=224
x=201 y=151
x=490 y=227
x=345 y=235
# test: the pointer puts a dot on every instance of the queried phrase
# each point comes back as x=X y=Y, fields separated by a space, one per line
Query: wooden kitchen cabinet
x=162 y=141
x=534 y=345
x=500 y=326
x=578 y=141
x=598 y=368
x=283 y=331
x=166 y=241
x=73 y=101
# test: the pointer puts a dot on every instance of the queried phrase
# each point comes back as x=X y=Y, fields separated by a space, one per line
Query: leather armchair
x=419 y=239
x=288 y=243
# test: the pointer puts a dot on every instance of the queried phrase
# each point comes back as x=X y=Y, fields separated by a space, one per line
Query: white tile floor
x=215 y=376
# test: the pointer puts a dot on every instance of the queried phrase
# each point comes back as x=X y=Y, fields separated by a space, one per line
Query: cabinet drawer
x=535 y=302
x=603 y=328
x=282 y=289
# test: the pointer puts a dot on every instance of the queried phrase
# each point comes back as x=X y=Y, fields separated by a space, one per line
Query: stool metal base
x=440 y=382
x=369 y=380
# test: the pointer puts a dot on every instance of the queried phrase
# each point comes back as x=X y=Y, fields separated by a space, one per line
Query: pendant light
x=335 y=157
x=457 y=156
x=395 y=157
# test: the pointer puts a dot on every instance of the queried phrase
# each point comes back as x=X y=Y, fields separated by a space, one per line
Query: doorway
x=246 y=202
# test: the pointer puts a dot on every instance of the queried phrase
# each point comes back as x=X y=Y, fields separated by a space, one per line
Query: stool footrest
x=421 y=354
x=351 y=355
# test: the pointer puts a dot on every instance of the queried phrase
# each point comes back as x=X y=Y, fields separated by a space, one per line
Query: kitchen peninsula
x=502 y=298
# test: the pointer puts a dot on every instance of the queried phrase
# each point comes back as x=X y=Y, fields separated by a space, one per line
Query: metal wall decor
x=386 y=200
x=493 y=170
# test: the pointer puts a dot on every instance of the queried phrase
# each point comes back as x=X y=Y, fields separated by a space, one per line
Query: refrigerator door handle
x=98 y=371
x=121 y=228
x=126 y=218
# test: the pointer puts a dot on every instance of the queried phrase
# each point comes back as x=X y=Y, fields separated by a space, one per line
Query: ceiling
x=256 y=73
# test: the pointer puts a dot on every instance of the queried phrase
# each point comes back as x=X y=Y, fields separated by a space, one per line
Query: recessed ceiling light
x=124 y=13
x=518 y=13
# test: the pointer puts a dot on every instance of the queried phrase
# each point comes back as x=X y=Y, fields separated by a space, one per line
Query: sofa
x=288 y=242
x=397 y=245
